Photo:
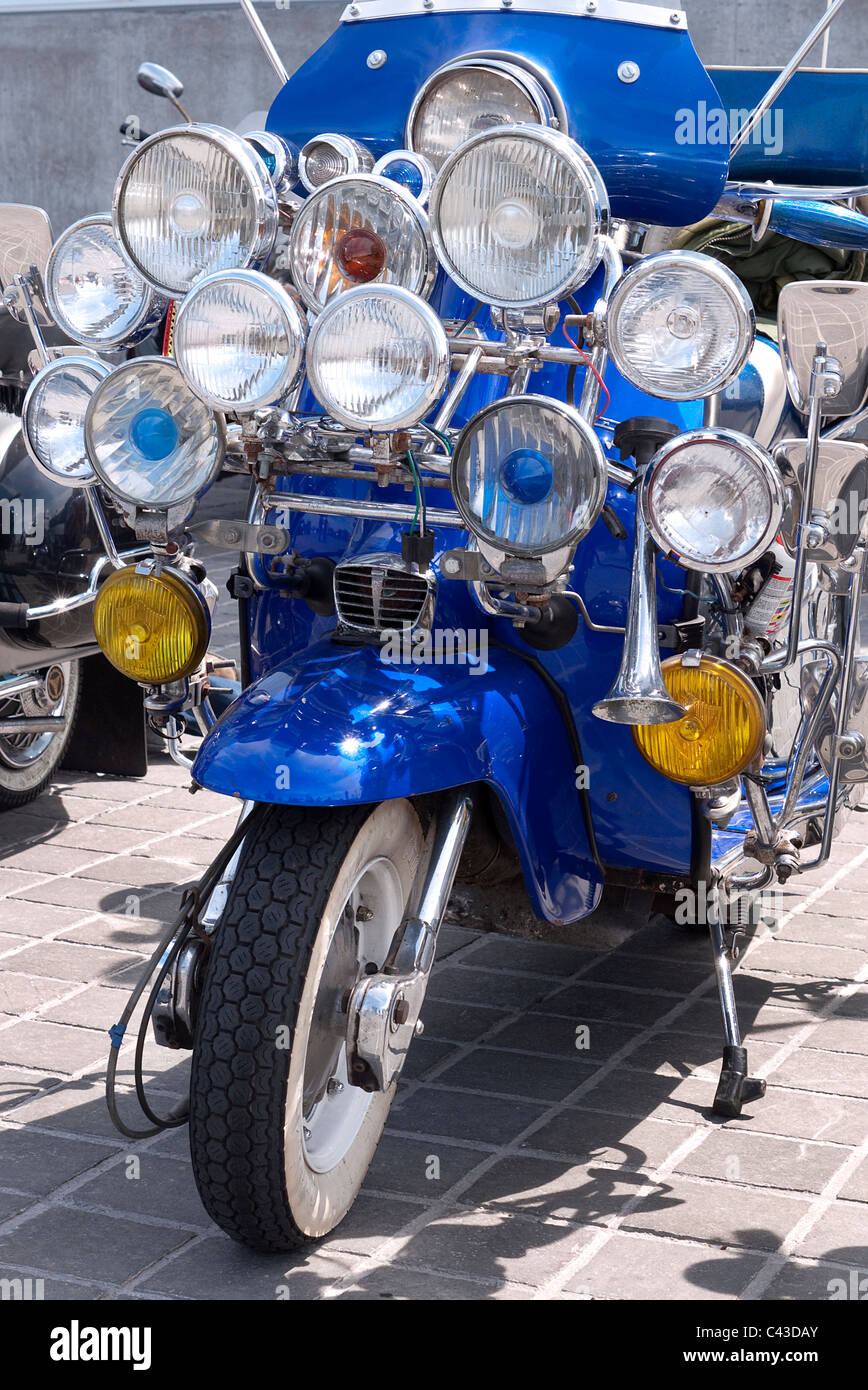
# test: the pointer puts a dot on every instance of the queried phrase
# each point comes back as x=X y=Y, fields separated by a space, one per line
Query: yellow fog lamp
x=152 y=623
x=722 y=730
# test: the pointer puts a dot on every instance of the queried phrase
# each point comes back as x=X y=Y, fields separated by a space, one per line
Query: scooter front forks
x=735 y=1087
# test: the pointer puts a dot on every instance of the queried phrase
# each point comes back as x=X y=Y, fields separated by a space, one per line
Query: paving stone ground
x=515 y=1165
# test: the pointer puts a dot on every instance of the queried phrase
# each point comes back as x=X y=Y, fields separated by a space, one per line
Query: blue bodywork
x=326 y=723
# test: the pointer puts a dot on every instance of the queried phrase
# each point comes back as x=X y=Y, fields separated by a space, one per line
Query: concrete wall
x=67 y=76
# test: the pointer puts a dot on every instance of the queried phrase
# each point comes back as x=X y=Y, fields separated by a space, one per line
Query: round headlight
x=516 y=216
x=356 y=230
x=150 y=439
x=680 y=325
x=329 y=156
x=722 y=730
x=190 y=201
x=279 y=158
x=52 y=418
x=239 y=340
x=409 y=170
x=93 y=295
x=713 y=499
x=469 y=95
x=151 y=623
x=529 y=475
x=378 y=358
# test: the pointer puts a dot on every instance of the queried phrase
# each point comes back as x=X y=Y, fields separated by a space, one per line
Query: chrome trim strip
x=651 y=16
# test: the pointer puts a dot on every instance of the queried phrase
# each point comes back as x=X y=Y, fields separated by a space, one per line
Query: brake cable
x=169 y=945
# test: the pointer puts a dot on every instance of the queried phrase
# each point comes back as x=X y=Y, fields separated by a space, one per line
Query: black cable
x=571 y=386
x=470 y=317
x=182 y=926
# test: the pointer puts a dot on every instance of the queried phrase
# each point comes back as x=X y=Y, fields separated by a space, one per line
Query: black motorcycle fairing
x=48 y=546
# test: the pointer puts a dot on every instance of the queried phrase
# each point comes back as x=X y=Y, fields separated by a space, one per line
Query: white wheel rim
x=335 y=1111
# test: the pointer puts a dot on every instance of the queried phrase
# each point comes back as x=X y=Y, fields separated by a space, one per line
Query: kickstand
x=735 y=1087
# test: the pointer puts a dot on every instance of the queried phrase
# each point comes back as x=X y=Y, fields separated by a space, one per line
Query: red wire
x=589 y=364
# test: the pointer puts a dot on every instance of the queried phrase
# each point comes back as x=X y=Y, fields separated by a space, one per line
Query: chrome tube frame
x=783 y=79
x=59 y=606
x=265 y=43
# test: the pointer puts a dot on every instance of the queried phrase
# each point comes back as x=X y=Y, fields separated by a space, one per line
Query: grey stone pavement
x=514 y=1165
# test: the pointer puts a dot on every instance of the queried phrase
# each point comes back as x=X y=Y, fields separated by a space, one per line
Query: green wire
x=420 y=496
x=441 y=438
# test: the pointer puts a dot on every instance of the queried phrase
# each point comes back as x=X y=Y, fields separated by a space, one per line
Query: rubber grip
x=13 y=615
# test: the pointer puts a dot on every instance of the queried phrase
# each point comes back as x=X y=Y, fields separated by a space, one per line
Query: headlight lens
x=52 y=418
x=680 y=325
x=722 y=730
x=409 y=170
x=354 y=231
x=529 y=475
x=152 y=624
x=329 y=156
x=151 y=441
x=93 y=295
x=378 y=358
x=463 y=98
x=713 y=499
x=516 y=216
x=239 y=340
x=191 y=201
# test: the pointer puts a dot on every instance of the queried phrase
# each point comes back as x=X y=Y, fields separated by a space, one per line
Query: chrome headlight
x=151 y=441
x=529 y=475
x=680 y=325
x=516 y=216
x=190 y=201
x=52 y=418
x=470 y=95
x=713 y=499
x=93 y=294
x=329 y=156
x=409 y=170
x=239 y=340
x=378 y=358
x=355 y=230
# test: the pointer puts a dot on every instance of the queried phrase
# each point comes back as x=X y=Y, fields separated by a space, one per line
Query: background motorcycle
x=56 y=689
x=565 y=754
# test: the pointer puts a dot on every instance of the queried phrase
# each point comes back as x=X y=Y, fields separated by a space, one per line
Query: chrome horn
x=639 y=694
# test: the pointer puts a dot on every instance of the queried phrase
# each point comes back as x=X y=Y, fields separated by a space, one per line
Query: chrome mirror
x=839 y=501
x=25 y=241
x=160 y=82
x=835 y=314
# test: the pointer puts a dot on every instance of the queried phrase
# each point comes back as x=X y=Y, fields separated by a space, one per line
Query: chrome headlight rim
x=590 y=440
x=755 y=455
x=92 y=364
x=153 y=306
x=411 y=204
x=260 y=186
x=724 y=278
x=533 y=81
x=274 y=147
x=420 y=162
x=359 y=159
x=586 y=173
x=146 y=364
x=286 y=305
x=440 y=353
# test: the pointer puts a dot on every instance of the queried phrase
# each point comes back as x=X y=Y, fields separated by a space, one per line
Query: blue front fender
x=339 y=726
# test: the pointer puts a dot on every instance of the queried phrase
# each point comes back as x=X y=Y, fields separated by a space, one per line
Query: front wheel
x=280 y=1140
x=29 y=761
